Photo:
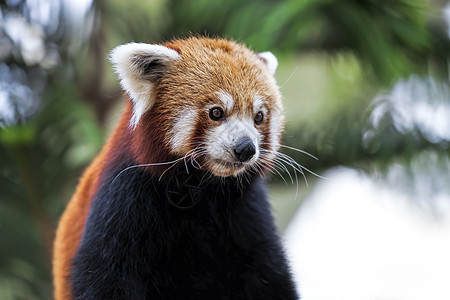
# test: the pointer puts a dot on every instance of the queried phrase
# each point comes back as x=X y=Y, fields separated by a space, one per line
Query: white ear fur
x=138 y=65
x=270 y=60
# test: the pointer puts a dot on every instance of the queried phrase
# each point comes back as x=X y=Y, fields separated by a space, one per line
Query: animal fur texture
x=174 y=206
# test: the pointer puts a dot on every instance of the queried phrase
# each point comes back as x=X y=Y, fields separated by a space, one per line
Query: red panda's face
x=220 y=106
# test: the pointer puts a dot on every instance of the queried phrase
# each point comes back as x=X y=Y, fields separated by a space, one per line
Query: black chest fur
x=184 y=236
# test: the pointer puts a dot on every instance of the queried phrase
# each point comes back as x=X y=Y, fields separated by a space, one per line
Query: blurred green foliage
x=335 y=56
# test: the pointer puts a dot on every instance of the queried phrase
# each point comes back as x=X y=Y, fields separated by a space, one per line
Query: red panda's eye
x=259 y=118
x=216 y=113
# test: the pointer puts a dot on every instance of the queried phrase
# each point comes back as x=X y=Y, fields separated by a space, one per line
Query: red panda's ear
x=138 y=66
x=269 y=60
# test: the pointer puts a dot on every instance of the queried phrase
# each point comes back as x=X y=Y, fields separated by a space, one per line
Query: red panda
x=174 y=206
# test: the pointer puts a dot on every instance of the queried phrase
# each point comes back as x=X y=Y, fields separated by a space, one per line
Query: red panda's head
x=215 y=102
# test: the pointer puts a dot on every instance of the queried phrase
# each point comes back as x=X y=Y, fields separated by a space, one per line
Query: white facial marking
x=270 y=60
x=182 y=130
x=142 y=103
x=257 y=103
x=226 y=99
x=126 y=63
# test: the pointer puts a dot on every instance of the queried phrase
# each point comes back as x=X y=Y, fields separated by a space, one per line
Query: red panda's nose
x=244 y=150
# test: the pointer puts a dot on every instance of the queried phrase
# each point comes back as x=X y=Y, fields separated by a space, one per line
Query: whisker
x=197 y=164
x=291 y=160
x=281 y=165
x=146 y=165
x=159 y=179
x=275 y=170
x=304 y=168
x=258 y=169
x=295 y=165
x=284 y=158
x=299 y=150
x=189 y=154
x=293 y=72
x=295 y=149
x=197 y=154
x=205 y=179
x=184 y=158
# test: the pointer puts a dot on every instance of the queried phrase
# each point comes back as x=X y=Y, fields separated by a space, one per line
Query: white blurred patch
x=355 y=239
x=7 y=111
x=32 y=31
x=20 y=93
x=446 y=14
x=416 y=104
x=28 y=36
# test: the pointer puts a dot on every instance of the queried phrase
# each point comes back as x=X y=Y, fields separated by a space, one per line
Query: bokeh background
x=366 y=88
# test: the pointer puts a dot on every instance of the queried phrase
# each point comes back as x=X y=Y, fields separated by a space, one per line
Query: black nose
x=244 y=150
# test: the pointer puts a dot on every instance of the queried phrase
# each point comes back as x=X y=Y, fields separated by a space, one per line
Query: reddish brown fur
x=71 y=224
x=212 y=65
